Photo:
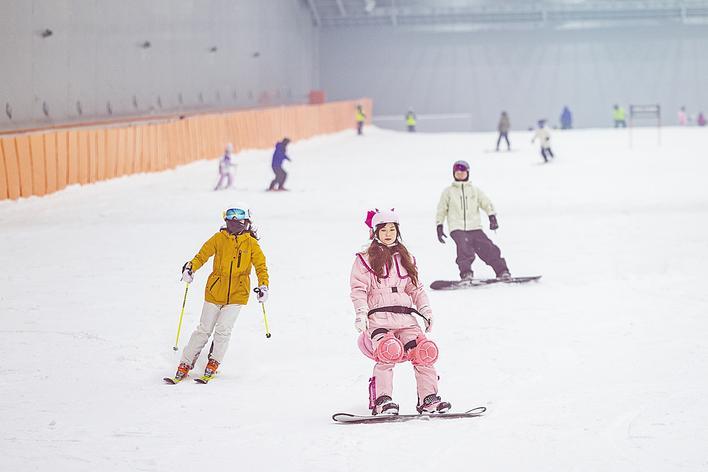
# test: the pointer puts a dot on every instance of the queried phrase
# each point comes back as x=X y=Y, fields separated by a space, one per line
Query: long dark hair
x=381 y=256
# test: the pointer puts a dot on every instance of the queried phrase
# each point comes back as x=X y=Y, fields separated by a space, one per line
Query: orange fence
x=41 y=163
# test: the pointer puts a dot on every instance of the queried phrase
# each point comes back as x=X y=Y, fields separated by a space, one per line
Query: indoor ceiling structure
x=484 y=14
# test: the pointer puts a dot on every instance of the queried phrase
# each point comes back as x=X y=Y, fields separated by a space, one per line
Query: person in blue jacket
x=278 y=157
x=566 y=118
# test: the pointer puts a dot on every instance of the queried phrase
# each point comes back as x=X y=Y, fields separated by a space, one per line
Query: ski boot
x=182 y=372
x=209 y=371
x=384 y=406
x=433 y=404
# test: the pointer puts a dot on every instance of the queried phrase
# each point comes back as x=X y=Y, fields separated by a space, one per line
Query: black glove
x=493 y=225
x=441 y=234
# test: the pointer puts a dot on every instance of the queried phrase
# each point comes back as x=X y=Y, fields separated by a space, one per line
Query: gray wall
x=532 y=74
x=94 y=57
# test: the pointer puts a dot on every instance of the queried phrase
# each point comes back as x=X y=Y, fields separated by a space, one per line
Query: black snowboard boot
x=433 y=404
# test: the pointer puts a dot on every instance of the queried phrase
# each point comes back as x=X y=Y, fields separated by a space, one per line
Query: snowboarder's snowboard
x=458 y=284
x=359 y=419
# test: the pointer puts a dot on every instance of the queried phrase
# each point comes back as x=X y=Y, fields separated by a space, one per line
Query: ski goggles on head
x=236 y=214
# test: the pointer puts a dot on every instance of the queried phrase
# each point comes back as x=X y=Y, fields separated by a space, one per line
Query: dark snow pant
x=505 y=135
x=475 y=242
x=545 y=152
x=359 y=127
x=620 y=124
x=411 y=128
x=279 y=179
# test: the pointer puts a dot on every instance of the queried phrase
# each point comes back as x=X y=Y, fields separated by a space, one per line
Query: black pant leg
x=465 y=250
x=489 y=252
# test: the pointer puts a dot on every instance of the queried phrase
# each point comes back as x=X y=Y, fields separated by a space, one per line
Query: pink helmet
x=377 y=217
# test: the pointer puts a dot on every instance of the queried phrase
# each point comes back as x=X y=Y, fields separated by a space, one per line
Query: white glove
x=360 y=323
x=187 y=275
x=262 y=294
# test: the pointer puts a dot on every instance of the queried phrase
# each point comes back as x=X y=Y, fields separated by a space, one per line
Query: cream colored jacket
x=460 y=204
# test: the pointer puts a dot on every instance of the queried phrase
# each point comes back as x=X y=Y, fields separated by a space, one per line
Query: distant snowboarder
x=360 y=119
x=279 y=156
x=410 y=121
x=460 y=204
x=544 y=139
x=503 y=128
x=226 y=167
x=566 y=118
x=618 y=116
x=384 y=289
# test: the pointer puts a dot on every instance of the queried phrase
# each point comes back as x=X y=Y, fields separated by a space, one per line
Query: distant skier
x=225 y=169
x=235 y=249
x=503 y=128
x=460 y=204
x=619 y=116
x=279 y=156
x=410 y=121
x=360 y=119
x=566 y=118
x=701 y=120
x=544 y=139
x=682 y=117
x=385 y=286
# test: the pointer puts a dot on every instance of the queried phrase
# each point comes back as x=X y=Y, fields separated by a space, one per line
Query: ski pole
x=179 y=326
x=265 y=318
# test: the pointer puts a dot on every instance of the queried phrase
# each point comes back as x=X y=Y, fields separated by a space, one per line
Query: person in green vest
x=410 y=121
x=618 y=116
x=360 y=118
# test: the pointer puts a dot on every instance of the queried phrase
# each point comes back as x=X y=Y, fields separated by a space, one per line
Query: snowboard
x=459 y=284
x=359 y=419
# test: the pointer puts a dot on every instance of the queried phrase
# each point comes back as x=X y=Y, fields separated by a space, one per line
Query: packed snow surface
x=601 y=366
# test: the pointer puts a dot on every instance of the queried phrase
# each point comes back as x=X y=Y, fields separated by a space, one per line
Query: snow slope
x=600 y=366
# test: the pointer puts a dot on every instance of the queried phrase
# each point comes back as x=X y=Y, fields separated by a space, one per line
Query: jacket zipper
x=238 y=264
x=464 y=207
x=212 y=285
x=228 y=293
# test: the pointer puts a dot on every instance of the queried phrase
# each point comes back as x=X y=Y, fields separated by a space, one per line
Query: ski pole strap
x=397 y=309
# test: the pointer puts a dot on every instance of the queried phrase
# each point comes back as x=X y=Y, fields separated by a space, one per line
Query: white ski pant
x=218 y=319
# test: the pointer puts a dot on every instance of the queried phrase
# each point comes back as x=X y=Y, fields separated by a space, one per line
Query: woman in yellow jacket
x=235 y=249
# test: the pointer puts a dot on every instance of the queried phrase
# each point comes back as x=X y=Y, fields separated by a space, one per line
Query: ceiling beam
x=315 y=13
x=342 y=11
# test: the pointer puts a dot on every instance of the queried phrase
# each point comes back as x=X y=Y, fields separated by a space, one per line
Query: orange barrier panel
x=39 y=179
x=24 y=159
x=72 y=175
x=101 y=154
x=3 y=176
x=42 y=162
x=62 y=159
x=50 y=161
x=111 y=151
x=12 y=167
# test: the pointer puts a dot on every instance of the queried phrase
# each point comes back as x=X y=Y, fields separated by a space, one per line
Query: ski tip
x=170 y=380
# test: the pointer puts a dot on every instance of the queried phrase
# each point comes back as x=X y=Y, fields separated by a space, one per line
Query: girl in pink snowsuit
x=384 y=290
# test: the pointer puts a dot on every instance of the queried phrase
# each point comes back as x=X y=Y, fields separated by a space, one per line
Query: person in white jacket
x=460 y=204
x=544 y=139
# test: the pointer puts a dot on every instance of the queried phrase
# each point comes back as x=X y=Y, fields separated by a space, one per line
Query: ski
x=172 y=380
x=359 y=419
x=204 y=379
x=459 y=284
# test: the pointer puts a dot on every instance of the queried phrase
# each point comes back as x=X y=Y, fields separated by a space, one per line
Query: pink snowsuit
x=393 y=289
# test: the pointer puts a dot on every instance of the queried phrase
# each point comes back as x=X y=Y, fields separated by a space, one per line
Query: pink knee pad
x=424 y=353
x=390 y=350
